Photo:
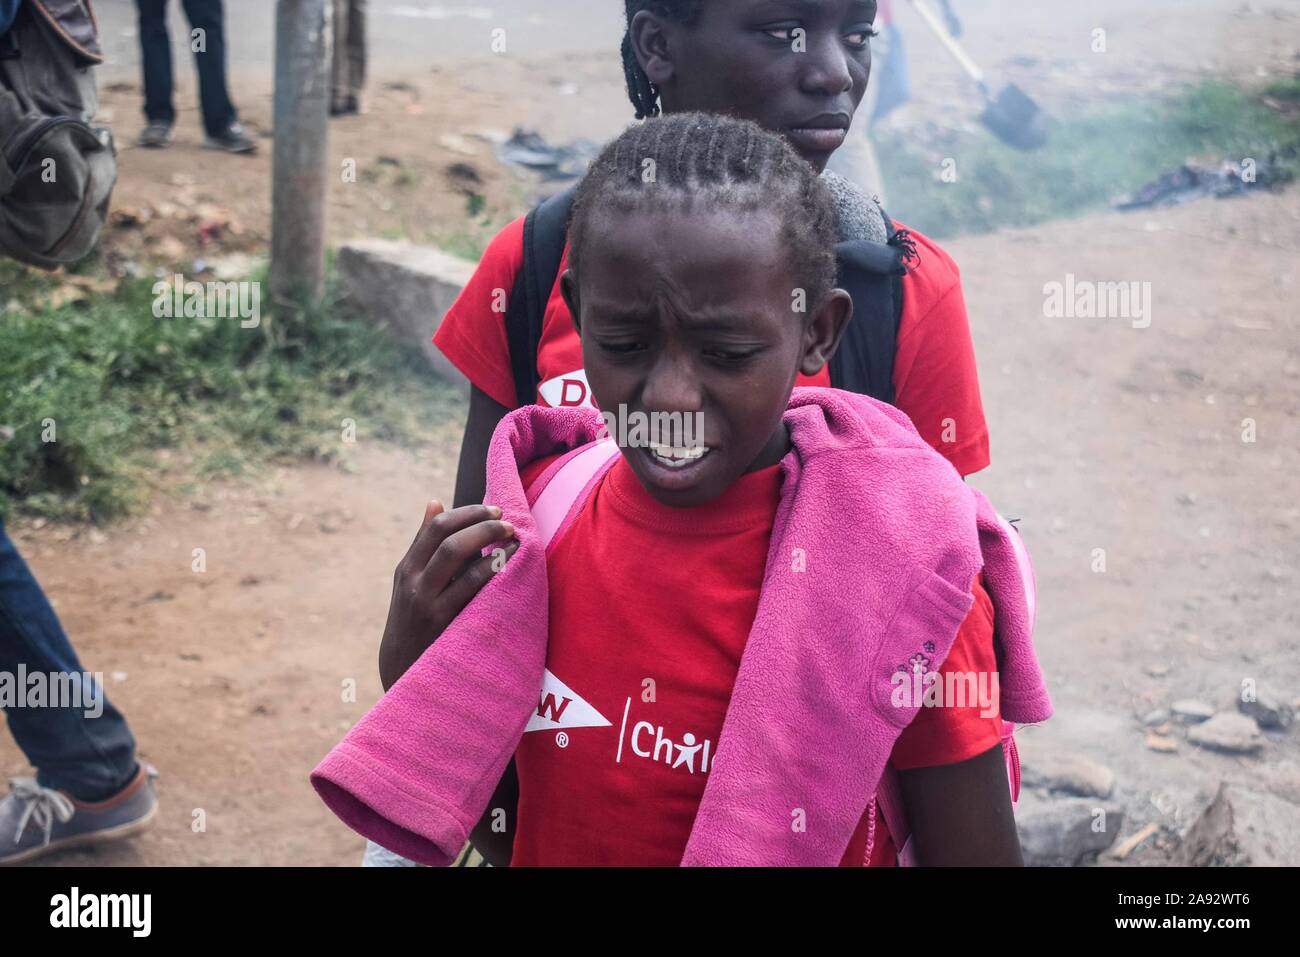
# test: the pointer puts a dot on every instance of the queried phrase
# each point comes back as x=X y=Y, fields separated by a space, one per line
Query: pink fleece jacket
x=875 y=544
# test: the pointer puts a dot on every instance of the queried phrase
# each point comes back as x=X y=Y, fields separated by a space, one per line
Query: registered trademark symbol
x=562 y=739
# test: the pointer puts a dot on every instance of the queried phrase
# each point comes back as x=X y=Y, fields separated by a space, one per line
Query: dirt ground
x=406 y=169
x=1104 y=436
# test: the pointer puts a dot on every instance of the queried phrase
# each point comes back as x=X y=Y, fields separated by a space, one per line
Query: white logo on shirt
x=560 y=707
x=569 y=390
x=647 y=740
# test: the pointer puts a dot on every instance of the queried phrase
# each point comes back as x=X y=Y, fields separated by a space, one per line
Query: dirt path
x=406 y=169
x=233 y=679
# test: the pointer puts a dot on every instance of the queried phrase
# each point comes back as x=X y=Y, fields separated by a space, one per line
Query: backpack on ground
x=57 y=171
x=556 y=496
x=872 y=273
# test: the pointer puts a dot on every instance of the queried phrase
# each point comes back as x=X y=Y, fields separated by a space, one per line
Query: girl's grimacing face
x=686 y=313
x=746 y=59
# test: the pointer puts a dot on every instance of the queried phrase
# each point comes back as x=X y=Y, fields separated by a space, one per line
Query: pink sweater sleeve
x=417 y=771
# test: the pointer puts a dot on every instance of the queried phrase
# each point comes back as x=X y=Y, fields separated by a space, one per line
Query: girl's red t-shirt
x=650 y=610
x=934 y=368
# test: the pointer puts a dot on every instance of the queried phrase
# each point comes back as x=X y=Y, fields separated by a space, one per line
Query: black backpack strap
x=545 y=232
x=902 y=241
x=872 y=274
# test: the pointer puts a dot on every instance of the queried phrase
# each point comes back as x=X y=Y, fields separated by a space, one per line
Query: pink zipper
x=1013 y=759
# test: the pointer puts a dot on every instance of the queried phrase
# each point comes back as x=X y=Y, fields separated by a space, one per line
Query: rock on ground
x=1192 y=711
x=407 y=287
x=1065 y=771
x=1227 y=731
x=1268 y=712
x=1064 y=832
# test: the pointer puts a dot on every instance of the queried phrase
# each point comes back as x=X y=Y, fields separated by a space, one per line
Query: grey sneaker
x=156 y=136
x=232 y=139
x=36 y=820
x=349 y=105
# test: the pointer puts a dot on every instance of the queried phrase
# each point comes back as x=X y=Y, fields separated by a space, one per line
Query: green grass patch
x=1287 y=89
x=1091 y=160
x=90 y=391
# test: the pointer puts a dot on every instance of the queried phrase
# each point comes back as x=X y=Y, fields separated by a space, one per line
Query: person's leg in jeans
x=90 y=758
x=356 y=48
x=156 y=61
x=348 y=66
x=339 y=57
x=214 y=96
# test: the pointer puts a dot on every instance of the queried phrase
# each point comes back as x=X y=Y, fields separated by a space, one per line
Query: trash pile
x=1193 y=181
x=529 y=149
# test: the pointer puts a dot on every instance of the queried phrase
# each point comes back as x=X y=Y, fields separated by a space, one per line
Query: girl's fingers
x=443 y=524
x=510 y=549
x=459 y=548
x=431 y=509
x=462 y=591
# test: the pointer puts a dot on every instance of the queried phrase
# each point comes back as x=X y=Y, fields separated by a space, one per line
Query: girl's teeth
x=677 y=457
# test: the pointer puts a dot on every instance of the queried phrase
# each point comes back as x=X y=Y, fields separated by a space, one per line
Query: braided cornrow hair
x=707 y=162
x=644 y=94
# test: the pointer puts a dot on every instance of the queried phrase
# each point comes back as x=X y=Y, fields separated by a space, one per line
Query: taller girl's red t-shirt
x=934 y=368
x=651 y=607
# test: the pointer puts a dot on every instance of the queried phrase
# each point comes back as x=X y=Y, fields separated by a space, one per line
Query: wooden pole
x=300 y=159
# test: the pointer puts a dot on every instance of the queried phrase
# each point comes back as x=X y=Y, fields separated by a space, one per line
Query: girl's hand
x=441 y=573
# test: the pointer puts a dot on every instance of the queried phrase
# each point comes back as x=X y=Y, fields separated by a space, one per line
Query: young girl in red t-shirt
x=681 y=286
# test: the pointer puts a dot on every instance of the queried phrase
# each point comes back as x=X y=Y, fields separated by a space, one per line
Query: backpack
x=57 y=172
x=872 y=273
x=556 y=496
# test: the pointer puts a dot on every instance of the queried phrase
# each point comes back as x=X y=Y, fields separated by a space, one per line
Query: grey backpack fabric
x=57 y=171
x=860 y=216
